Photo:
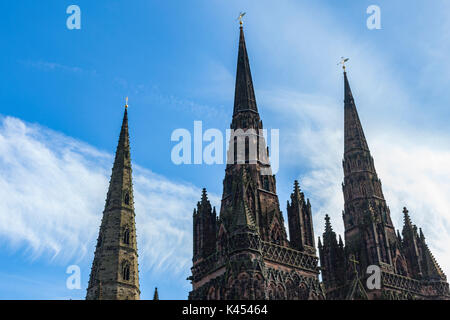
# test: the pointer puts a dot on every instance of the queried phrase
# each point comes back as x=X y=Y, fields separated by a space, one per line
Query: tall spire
x=363 y=194
x=370 y=236
x=250 y=236
x=359 y=167
x=114 y=274
x=354 y=138
x=244 y=97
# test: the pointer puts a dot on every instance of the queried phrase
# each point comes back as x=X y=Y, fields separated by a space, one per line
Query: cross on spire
x=354 y=261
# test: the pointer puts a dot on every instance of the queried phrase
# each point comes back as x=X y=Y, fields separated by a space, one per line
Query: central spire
x=249 y=197
x=237 y=255
x=244 y=97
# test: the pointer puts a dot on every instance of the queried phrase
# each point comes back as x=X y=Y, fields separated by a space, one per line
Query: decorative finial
x=343 y=61
x=126 y=103
x=241 y=15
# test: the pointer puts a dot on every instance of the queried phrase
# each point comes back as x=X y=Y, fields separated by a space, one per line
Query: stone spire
x=245 y=111
x=370 y=237
x=358 y=163
x=365 y=211
x=251 y=247
x=249 y=195
x=244 y=97
x=354 y=134
x=114 y=274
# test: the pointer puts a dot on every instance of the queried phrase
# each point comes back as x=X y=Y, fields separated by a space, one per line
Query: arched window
x=126 y=236
x=126 y=271
x=127 y=198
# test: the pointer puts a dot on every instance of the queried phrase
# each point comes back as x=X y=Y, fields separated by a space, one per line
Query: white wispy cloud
x=165 y=220
x=55 y=66
x=50 y=183
x=54 y=189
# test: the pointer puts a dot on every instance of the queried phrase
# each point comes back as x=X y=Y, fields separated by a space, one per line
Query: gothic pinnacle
x=204 y=195
x=328 y=227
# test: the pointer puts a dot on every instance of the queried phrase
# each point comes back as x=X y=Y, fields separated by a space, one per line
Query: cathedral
x=244 y=252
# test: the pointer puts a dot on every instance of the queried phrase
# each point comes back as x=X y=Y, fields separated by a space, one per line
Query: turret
x=301 y=231
x=332 y=257
x=204 y=228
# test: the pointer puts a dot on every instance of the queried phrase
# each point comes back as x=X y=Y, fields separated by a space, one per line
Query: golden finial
x=241 y=15
x=343 y=61
x=126 y=103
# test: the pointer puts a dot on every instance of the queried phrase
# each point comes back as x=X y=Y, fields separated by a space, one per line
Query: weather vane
x=343 y=61
x=126 y=102
x=241 y=15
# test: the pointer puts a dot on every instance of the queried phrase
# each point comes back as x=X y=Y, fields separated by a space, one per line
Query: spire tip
x=241 y=15
x=343 y=61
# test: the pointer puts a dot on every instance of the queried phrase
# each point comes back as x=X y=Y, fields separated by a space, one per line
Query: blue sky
x=62 y=94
